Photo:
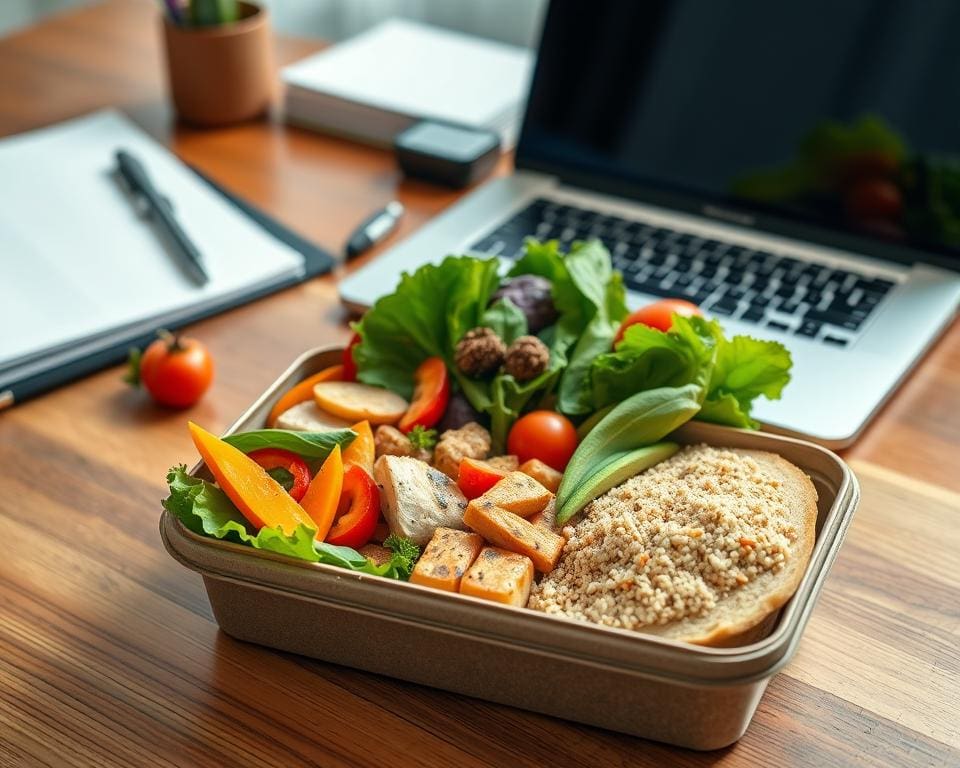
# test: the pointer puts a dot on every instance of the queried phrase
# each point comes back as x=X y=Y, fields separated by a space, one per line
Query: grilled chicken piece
x=416 y=499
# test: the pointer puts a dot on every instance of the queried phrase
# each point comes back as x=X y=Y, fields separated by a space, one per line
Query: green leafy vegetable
x=405 y=555
x=311 y=445
x=745 y=368
x=735 y=371
x=648 y=358
x=426 y=315
x=422 y=438
x=506 y=319
x=205 y=509
x=590 y=299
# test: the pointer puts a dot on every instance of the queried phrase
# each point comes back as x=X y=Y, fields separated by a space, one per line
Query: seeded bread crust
x=748 y=614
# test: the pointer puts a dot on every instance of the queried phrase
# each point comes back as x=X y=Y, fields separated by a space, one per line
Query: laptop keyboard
x=769 y=290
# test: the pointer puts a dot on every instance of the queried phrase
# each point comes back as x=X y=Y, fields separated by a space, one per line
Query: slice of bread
x=749 y=613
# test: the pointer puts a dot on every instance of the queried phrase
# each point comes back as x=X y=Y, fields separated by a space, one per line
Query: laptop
x=792 y=167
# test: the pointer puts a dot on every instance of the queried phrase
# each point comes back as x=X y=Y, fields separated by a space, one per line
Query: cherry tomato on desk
x=174 y=369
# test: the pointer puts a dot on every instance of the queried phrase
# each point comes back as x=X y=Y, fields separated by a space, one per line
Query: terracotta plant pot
x=221 y=74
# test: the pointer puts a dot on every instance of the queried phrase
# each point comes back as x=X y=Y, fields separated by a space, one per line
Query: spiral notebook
x=84 y=276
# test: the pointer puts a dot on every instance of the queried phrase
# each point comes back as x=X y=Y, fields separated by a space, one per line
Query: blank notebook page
x=77 y=261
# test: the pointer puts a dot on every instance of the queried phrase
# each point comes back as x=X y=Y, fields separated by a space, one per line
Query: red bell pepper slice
x=358 y=512
x=277 y=458
x=477 y=477
x=349 y=365
x=431 y=393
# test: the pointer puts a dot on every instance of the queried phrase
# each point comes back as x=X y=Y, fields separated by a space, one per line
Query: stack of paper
x=382 y=81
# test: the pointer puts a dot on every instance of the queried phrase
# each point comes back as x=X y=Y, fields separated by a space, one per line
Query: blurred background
x=510 y=21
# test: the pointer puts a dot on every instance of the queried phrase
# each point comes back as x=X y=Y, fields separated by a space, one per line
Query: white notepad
x=77 y=262
x=381 y=81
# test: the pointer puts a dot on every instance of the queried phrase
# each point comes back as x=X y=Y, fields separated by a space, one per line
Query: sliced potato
x=512 y=532
x=544 y=474
x=498 y=575
x=306 y=417
x=508 y=463
x=355 y=401
x=518 y=493
x=446 y=558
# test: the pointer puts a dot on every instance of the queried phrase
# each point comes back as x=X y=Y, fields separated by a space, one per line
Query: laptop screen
x=837 y=121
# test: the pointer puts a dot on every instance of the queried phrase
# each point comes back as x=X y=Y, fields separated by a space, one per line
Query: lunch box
x=702 y=698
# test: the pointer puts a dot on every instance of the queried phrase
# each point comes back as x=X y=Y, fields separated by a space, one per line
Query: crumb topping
x=671 y=542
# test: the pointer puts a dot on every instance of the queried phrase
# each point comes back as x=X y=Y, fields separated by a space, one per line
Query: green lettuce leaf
x=206 y=510
x=745 y=369
x=506 y=319
x=734 y=371
x=310 y=445
x=590 y=299
x=647 y=358
x=425 y=316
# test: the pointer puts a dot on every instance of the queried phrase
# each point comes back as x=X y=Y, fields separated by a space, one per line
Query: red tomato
x=658 y=315
x=175 y=370
x=358 y=511
x=477 y=477
x=349 y=366
x=873 y=198
x=430 y=395
x=545 y=435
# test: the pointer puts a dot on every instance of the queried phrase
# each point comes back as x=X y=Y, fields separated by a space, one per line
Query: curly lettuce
x=206 y=510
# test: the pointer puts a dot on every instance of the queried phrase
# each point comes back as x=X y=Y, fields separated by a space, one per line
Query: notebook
x=380 y=82
x=81 y=269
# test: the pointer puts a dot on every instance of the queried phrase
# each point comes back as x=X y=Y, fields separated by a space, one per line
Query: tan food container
x=702 y=698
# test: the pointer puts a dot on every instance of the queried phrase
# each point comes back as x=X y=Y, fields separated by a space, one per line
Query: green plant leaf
x=311 y=445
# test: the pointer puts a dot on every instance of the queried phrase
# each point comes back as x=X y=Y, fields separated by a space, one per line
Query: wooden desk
x=109 y=654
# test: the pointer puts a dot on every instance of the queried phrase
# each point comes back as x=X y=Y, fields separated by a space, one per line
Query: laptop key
x=724 y=307
x=809 y=328
x=837 y=341
x=753 y=314
x=776 y=325
x=835 y=318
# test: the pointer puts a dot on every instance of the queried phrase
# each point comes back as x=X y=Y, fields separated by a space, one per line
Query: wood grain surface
x=109 y=654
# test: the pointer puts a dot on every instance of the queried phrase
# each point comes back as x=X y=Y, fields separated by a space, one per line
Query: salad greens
x=436 y=305
x=310 y=445
x=735 y=371
x=205 y=509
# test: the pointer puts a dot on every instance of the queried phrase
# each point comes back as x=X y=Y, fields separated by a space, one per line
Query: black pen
x=374 y=228
x=140 y=186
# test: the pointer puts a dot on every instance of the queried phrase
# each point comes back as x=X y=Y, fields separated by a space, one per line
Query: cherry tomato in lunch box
x=658 y=315
x=349 y=372
x=545 y=435
x=175 y=370
x=277 y=458
x=431 y=393
x=358 y=511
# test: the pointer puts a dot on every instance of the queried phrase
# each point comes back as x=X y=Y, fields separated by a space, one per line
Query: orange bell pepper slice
x=260 y=498
x=323 y=496
x=303 y=391
x=362 y=450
